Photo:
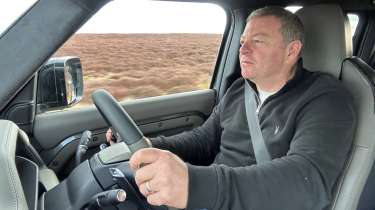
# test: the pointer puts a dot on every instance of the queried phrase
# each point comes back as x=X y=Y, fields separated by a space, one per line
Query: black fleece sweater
x=308 y=128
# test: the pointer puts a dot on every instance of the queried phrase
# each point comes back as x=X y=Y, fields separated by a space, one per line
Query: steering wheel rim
x=116 y=116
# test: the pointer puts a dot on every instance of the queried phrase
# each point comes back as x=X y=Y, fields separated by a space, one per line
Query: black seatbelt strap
x=260 y=150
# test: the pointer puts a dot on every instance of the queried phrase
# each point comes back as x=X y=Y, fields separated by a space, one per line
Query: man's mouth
x=246 y=62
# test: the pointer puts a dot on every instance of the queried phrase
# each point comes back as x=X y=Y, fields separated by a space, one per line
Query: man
x=307 y=121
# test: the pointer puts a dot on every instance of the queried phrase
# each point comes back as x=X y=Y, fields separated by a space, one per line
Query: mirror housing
x=60 y=83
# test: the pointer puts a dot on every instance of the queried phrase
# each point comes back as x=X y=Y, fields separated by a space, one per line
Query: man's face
x=263 y=51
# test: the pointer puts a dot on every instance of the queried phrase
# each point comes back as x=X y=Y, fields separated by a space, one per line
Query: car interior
x=38 y=150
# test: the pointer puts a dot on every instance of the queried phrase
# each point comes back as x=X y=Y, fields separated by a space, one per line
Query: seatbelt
x=260 y=150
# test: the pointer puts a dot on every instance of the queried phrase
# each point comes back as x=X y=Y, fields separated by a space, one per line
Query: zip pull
x=259 y=105
x=257 y=110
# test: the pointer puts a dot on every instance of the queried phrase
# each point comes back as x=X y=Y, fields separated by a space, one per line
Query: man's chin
x=248 y=76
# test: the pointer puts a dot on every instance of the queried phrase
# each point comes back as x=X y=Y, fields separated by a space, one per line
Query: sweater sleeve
x=303 y=179
x=198 y=146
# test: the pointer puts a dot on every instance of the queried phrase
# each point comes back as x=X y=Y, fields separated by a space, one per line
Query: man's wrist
x=202 y=187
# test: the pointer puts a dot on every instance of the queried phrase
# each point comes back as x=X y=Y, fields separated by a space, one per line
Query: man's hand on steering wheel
x=161 y=176
x=163 y=179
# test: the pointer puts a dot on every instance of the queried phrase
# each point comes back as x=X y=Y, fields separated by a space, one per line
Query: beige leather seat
x=328 y=49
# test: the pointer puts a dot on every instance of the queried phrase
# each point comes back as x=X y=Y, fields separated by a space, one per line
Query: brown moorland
x=142 y=65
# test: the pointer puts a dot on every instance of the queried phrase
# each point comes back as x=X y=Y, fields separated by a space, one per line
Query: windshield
x=11 y=10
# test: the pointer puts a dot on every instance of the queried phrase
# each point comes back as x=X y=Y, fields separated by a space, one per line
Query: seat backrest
x=327 y=38
x=358 y=78
x=367 y=201
x=327 y=48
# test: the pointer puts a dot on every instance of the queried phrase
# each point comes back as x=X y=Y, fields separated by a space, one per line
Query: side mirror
x=60 y=83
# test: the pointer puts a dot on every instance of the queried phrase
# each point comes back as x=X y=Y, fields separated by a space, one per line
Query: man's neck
x=275 y=83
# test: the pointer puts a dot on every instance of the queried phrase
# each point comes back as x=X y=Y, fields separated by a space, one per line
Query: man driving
x=307 y=121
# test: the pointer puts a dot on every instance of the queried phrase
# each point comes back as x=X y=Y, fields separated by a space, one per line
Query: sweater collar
x=297 y=77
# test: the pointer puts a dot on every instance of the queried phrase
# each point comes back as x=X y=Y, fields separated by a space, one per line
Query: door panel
x=58 y=132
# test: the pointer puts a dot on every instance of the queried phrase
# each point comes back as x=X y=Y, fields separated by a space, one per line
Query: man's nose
x=245 y=48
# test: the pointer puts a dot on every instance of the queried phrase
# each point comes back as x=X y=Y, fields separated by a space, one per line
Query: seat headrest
x=328 y=39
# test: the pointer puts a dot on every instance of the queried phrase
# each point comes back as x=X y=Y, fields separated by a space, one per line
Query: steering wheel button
x=116 y=153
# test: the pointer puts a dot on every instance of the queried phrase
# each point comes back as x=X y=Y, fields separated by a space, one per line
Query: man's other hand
x=110 y=137
x=161 y=176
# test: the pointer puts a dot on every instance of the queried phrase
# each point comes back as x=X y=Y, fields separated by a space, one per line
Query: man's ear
x=294 y=49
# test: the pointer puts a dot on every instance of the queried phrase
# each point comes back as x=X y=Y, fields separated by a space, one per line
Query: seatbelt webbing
x=260 y=150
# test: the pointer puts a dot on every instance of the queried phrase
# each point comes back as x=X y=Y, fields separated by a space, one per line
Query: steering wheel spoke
x=116 y=116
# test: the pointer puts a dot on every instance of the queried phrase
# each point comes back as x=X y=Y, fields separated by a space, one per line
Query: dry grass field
x=141 y=65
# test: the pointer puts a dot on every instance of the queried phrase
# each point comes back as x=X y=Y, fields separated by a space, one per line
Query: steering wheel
x=119 y=119
x=115 y=116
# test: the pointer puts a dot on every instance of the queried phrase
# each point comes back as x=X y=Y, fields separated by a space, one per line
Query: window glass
x=353 y=21
x=136 y=49
x=11 y=10
x=293 y=8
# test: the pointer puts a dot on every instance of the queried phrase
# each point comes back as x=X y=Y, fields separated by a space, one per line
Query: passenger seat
x=328 y=49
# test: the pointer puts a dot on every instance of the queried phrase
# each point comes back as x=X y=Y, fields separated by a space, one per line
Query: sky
x=143 y=16
x=11 y=10
x=138 y=16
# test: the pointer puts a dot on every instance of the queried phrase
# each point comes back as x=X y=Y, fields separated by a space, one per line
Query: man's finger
x=146 y=191
x=145 y=173
x=156 y=199
x=144 y=156
x=142 y=188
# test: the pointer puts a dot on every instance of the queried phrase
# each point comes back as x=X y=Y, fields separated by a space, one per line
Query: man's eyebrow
x=260 y=34
x=255 y=35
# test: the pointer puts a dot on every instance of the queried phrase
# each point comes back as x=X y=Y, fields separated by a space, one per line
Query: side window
x=293 y=8
x=353 y=21
x=136 y=49
x=11 y=10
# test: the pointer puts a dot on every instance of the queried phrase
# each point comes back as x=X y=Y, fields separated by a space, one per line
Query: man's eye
x=257 y=41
